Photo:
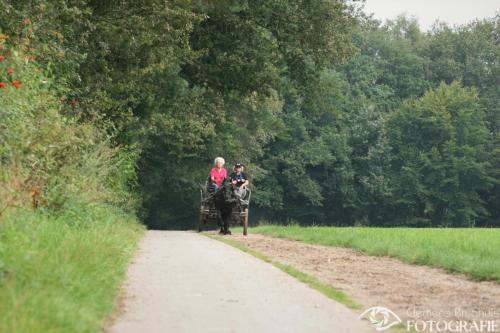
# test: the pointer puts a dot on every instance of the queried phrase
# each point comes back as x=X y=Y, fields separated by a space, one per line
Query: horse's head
x=226 y=193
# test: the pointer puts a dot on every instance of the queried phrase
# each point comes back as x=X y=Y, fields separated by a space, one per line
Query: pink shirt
x=218 y=175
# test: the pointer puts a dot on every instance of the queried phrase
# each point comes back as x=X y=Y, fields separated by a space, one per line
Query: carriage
x=209 y=215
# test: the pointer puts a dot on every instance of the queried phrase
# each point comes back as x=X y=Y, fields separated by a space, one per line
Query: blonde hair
x=219 y=159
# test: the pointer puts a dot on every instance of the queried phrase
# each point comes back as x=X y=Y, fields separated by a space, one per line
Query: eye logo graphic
x=380 y=317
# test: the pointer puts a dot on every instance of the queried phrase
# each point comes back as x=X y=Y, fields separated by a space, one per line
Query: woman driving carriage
x=217 y=175
x=227 y=200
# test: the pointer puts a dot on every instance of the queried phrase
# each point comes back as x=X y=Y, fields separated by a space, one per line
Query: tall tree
x=441 y=158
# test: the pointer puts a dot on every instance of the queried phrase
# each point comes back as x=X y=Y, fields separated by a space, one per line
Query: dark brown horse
x=225 y=200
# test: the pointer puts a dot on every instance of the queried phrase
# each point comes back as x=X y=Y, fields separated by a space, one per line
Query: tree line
x=340 y=119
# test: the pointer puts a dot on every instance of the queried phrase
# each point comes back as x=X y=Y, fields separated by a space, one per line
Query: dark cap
x=238 y=165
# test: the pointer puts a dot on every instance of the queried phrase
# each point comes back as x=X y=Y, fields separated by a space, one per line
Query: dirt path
x=185 y=282
x=413 y=292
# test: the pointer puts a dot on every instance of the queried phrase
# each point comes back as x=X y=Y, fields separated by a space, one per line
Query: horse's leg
x=226 y=217
x=220 y=222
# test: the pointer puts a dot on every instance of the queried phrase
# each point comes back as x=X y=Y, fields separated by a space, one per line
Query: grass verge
x=311 y=281
x=61 y=273
x=471 y=251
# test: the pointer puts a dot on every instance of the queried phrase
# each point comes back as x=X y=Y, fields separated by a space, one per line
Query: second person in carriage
x=239 y=179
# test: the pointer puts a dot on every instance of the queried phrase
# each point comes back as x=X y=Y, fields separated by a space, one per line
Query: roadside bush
x=67 y=212
x=47 y=154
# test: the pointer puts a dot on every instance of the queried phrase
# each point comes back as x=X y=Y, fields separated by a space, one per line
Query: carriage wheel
x=200 y=221
x=245 y=224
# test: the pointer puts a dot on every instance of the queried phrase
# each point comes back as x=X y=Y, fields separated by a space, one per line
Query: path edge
x=328 y=291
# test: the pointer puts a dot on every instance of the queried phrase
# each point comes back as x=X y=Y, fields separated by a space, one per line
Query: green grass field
x=474 y=252
x=61 y=274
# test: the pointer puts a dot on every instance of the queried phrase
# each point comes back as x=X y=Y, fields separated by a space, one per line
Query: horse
x=225 y=200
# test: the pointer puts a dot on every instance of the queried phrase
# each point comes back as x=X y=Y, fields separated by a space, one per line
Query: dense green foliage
x=47 y=156
x=392 y=138
x=340 y=119
x=473 y=252
x=67 y=207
